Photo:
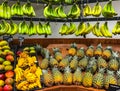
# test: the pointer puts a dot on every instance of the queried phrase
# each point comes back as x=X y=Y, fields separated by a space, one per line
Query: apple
x=9 y=81
x=9 y=73
x=1 y=88
x=2 y=83
x=7 y=88
x=10 y=58
x=2 y=76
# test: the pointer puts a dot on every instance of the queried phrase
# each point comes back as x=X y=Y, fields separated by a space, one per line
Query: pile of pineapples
x=94 y=66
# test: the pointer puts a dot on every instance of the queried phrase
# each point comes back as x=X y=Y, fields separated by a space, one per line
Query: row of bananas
x=86 y=28
x=61 y=1
x=23 y=28
x=107 y=11
x=7 y=12
x=58 y=12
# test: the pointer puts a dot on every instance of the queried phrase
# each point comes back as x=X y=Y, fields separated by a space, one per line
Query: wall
x=56 y=25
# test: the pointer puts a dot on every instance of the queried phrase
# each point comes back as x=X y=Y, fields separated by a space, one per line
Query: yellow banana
x=64 y=28
x=88 y=28
x=61 y=12
x=14 y=28
x=87 y=10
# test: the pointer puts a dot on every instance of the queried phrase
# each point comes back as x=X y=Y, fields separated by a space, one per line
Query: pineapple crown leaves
x=99 y=46
x=109 y=72
x=92 y=59
x=75 y=57
x=91 y=47
x=115 y=54
x=109 y=48
x=82 y=48
x=56 y=50
x=73 y=45
x=118 y=73
x=67 y=69
x=47 y=53
x=44 y=71
x=78 y=69
x=38 y=47
x=101 y=70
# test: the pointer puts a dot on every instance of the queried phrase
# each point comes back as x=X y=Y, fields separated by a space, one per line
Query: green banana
x=81 y=29
x=87 y=10
x=97 y=9
x=40 y=29
x=1 y=10
x=72 y=28
x=18 y=9
x=3 y=27
x=47 y=28
x=6 y=10
x=108 y=10
x=14 y=28
x=23 y=28
x=14 y=9
x=32 y=29
x=68 y=1
x=28 y=9
x=61 y=12
x=63 y=29
x=74 y=11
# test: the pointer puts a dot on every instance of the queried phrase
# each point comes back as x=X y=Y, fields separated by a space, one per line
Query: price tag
x=21 y=40
x=113 y=87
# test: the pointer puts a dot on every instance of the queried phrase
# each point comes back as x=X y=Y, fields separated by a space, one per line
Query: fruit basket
x=28 y=73
x=64 y=48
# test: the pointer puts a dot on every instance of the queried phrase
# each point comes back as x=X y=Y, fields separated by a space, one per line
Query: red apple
x=8 y=88
x=19 y=52
x=1 y=88
x=10 y=58
x=9 y=73
x=9 y=81
x=2 y=76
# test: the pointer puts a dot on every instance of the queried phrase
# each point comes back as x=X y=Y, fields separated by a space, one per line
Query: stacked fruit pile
x=16 y=9
x=6 y=67
x=23 y=28
x=97 y=67
x=27 y=72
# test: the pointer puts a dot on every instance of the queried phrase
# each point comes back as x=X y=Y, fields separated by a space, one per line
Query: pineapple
x=74 y=63
x=64 y=63
x=113 y=63
x=73 y=49
x=44 y=63
x=98 y=79
x=80 y=52
x=83 y=63
x=88 y=77
x=107 y=53
x=118 y=77
x=67 y=77
x=77 y=76
x=57 y=76
x=90 y=51
x=57 y=54
x=53 y=62
x=110 y=79
x=47 y=78
x=93 y=63
x=98 y=51
x=101 y=63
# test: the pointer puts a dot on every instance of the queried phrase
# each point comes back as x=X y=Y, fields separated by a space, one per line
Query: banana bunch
x=65 y=29
x=44 y=29
x=97 y=9
x=87 y=11
x=83 y=29
x=96 y=30
x=116 y=29
x=108 y=10
x=105 y=30
x=69 y=1
x=28 y=9
x=74 y=11
x=16 y=9
x=49 y=12
x=5 y=11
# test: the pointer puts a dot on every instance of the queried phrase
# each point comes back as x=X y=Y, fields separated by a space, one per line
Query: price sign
x=113 y=87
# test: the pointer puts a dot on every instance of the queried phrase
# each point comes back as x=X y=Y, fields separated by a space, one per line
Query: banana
x=47 y=28
x=6 y=10
x=116 y=29
x=81 y=29
x=88 y=28
x=19 y=10
x=108 y=10
x=87 y=10
x=63 y=29
x=9 y=29
x=14 y=9
x=68 y=1
x=32 y=29
x=28 y=9
x=105 y=31
x=1 y=10
x=23 y=28
x=72 y=28
x=40 y=29
x=14 y=28
x=74 y=11
x=61 y=12
x=3 y=27
x=97 y=9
